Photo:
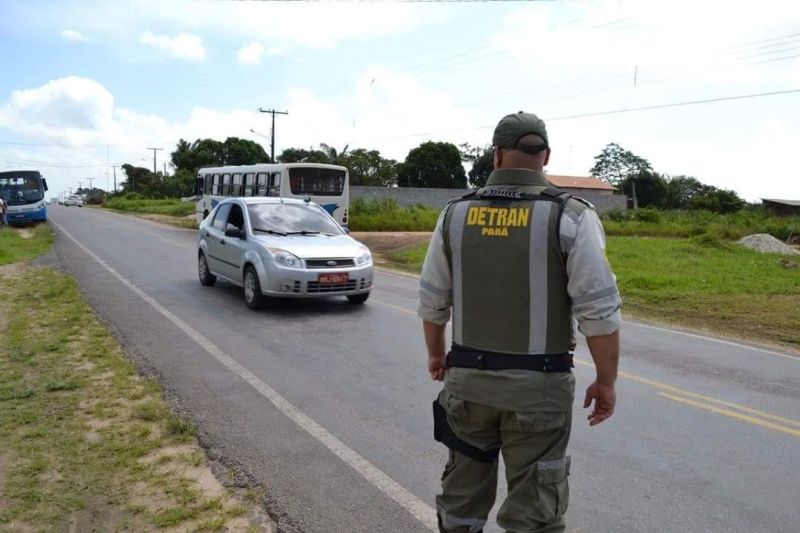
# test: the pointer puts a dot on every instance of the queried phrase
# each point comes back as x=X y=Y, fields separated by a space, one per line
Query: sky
x=87 y=85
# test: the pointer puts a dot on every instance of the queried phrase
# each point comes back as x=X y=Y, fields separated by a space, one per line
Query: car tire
x=207 y=279
x=252 y=289
x=358 y=298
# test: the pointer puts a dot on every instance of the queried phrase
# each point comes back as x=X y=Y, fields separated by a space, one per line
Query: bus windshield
x=316 y=181
x=18 y=188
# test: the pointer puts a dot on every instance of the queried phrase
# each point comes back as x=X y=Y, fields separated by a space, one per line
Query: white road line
x=390 y=273
x=419 y=509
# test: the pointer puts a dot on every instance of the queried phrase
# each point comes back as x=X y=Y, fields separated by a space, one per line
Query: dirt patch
x=13 y=270
x=383 y=242
x=25 y=233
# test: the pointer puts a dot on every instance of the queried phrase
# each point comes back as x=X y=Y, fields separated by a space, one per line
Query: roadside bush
x=387 y=215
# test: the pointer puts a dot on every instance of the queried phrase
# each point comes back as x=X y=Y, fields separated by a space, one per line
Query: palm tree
x=332 y=154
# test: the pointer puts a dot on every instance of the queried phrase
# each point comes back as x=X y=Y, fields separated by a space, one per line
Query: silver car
x=279 y=247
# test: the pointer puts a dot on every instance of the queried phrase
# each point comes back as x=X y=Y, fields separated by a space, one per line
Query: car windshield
x=20 y=187
x=292 y=219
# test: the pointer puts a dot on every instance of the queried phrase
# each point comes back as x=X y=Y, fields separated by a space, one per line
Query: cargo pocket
x=455 y=407
x=553 y=486
x=540 y=421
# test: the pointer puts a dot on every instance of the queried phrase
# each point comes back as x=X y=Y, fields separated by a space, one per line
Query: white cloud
x=73 y=36
x=252 y=53
x=182 y=46
x=312 y=25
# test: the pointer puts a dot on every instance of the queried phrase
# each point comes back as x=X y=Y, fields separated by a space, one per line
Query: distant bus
x=23 y=192
x=326 y=185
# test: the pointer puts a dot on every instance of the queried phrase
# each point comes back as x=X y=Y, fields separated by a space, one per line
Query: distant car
x=74 y=199
x=284 y=248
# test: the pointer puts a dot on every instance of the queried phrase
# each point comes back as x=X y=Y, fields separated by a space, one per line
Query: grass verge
x=86 y=444
x=133 y=203
x=24 y=243
x=700 y=283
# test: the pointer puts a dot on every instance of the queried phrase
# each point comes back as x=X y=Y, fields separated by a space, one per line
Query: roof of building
x=793 y=203
x=579 y=182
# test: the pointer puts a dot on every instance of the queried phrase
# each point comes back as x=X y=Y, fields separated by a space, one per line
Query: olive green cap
x=513 y=127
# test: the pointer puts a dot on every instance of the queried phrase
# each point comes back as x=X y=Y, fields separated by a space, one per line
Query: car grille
x=317 y=287
x=323 y=263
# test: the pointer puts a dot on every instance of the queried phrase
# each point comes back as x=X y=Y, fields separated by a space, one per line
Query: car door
x=231 y=249
x=215 y=233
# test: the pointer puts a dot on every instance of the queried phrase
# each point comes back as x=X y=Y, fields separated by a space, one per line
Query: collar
x=517 y=176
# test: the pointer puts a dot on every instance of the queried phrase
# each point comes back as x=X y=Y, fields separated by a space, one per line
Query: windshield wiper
x=271 y=232
x=304 y=232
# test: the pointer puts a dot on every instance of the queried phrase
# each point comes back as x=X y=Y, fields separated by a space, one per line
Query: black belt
x=468 y=358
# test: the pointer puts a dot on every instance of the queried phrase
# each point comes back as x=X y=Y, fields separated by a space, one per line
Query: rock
x=765 y=243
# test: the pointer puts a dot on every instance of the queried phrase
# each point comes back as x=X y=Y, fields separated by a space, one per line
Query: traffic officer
x=517 y=261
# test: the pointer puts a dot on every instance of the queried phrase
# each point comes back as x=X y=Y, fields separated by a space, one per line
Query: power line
x=618 y=111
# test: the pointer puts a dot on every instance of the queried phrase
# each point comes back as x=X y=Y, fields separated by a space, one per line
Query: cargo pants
x=533 y=445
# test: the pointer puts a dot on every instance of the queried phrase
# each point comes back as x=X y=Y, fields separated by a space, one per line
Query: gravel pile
x=765 y=243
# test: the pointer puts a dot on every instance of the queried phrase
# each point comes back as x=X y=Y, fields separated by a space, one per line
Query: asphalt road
x=327 y=405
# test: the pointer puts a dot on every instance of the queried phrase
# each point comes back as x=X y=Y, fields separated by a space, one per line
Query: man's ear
x=498 y=157
x=546 y=157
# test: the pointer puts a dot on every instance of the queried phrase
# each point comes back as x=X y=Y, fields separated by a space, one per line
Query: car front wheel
x=252 y=289
x=207 y=279
x=358 y=298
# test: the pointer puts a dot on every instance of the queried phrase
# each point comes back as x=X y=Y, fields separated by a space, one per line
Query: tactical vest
x=509 y=272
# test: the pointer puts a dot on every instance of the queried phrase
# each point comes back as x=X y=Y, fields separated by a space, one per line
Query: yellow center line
x=684 y=392
x=687 y=394
x=734 y=414
x=395 y=307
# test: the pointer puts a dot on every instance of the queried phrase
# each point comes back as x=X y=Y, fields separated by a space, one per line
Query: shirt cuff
x=605 y=326
x=437 y=316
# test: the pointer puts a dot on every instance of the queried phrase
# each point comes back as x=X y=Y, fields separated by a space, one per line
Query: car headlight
x=365 y=257
x=286 y=259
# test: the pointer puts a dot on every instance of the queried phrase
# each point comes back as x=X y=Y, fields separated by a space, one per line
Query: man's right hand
x=604 y=398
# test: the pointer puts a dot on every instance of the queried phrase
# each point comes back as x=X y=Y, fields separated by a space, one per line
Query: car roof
x=254 y=200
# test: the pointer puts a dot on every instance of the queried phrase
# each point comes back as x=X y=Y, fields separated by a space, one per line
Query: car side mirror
x=235 y=232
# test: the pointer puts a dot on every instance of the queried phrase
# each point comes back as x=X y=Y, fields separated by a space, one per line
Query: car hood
x=313 y=246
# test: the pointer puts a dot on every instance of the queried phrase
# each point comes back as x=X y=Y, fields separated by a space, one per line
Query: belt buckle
x=480 y=362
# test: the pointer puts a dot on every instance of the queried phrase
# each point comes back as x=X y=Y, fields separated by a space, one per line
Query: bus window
x=275 y=184
x=236 y=188
x=226 y=185
x=248 y=184
x=315 y=181
x=262 y=184
x=215 y=185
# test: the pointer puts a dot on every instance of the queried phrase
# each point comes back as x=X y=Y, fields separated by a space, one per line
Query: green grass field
x=700 y=283
x=167 y=206
x=24 y=243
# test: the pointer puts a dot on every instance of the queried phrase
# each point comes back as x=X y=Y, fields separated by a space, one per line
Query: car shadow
x=291 y=308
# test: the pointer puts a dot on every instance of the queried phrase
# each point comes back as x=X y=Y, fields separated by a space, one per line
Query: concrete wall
x=437 y=198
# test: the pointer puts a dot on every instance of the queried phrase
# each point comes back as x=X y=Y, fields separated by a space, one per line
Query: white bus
x=326 y=185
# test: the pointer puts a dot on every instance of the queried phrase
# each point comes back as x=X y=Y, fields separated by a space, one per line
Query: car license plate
x=333 y=278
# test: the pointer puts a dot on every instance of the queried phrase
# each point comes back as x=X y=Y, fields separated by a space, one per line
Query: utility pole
x=90 y=180
x=154 y=157
x=272 y=131
x=114 y=168
x=165 y=169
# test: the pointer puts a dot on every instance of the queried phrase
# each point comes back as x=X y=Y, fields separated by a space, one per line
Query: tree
x=681 y=190
x=139 y=180
x=482 y=167
x=367 y=167
x=334 y=157
x=296 y=155
x=651 y=189
x=614 y=164
x=208 y=152
x=718 y=200
x=432 y=164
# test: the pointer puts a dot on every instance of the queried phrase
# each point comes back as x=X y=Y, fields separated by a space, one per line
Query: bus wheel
x=207 y=279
